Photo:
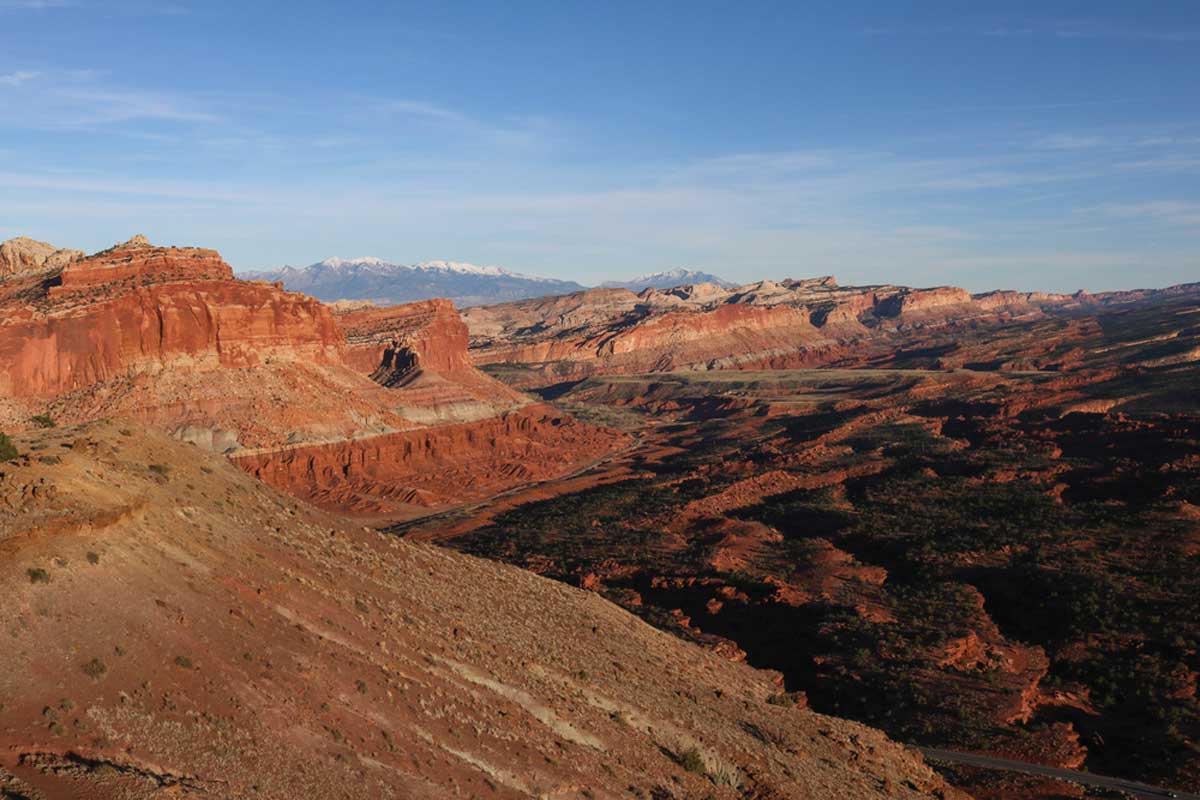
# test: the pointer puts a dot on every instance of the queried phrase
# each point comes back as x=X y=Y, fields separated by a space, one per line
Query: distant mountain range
x=388 y=284
x=665 y=280
x=466 y=284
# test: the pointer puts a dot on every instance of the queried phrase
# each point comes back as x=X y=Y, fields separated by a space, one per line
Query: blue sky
x=1029 y=145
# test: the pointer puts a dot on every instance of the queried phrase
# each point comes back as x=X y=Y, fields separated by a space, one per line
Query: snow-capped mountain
x=385 y=283
x=665 y=280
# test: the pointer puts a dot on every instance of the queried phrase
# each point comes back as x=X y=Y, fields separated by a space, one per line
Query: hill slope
x=174 y=626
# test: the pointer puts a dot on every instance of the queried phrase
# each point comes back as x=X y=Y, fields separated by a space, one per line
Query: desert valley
x=599 y=401
x=691 y=541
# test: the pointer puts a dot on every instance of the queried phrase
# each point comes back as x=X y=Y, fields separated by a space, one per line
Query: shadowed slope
x=173 y=625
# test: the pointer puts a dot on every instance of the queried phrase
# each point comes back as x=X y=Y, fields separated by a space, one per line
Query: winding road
x=1131 y=788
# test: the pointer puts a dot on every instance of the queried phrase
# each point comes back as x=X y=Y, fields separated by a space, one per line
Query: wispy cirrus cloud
x=97 y=106
x=80 y=98
x=1067 y=141
x=1166 y=212
x=418 y=108
x=35 y=5
x=1076 y=29
x=17 y=78
x=1094 y=32
x=513 y=131
x=154 y=7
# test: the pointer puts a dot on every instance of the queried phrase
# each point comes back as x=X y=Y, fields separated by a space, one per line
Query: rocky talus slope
x=174 y=627
x=168 y=336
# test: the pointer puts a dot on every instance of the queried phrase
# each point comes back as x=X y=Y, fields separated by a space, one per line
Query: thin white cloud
x=1169 y=163
x=1060 y=30
x=86 y=106
x=17 y=78
x=422 y=109
x=81 y=98
x=1180 y=36
x=129 y=7
x=35 y=5
x=528 y=132
x=1168 y=212
x=1067 y=141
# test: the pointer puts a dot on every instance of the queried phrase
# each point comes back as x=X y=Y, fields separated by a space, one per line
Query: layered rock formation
x=767 y=324
x=168 y=336
x=224 y=324
x=157 y=333
x=432 y=466
x=139 y=263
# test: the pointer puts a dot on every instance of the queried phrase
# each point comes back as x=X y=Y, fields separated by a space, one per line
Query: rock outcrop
x=23 y=256
x=154 y=327
x=168 y=336
x=139 y=263
x=430 y=333
x=432 y=466
x=768 y=324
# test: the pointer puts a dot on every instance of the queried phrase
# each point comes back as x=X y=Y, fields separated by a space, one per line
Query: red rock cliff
x=209 y=325
x=387 y=399
x=137 y=263
x=430 y=332
x=433 y=466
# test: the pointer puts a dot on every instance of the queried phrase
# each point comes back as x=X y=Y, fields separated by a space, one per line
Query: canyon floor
x=994 y=560
x=175 y=627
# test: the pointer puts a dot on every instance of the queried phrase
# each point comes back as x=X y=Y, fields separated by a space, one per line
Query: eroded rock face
x=763 y=325
x=139 y=263
x=433 y=466
x=25 y=256
x=168 y=336
x=431 y=331
x=218 y=325
x=421 y=349
x=767 y=324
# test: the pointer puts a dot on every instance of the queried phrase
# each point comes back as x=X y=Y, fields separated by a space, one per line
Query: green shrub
x=692 y=761
x=8 y=450
x=160 y=469
x=43 y=421
x=95 y=669
x=38 y=575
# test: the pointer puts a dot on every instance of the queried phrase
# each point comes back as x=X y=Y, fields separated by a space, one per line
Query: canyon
x=679 y=543
x=175 y=627
x=969 y=521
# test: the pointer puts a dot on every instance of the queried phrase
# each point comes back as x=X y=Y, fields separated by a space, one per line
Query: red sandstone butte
x=168 y=336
